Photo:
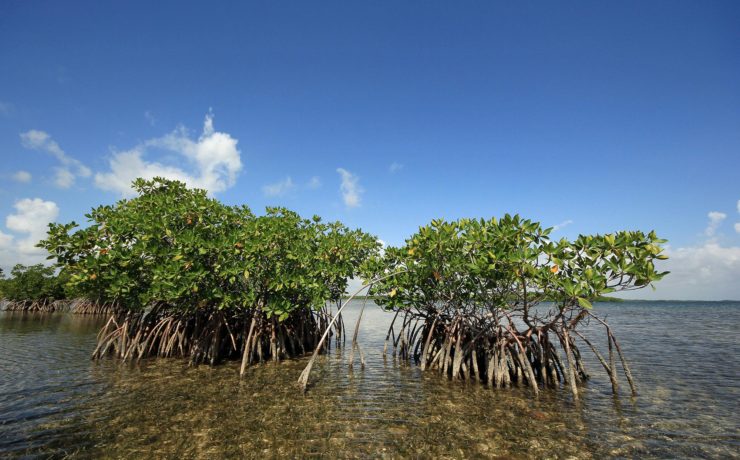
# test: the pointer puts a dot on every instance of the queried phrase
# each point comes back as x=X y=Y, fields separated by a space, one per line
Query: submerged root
x=210 y=336
x=91 y=307
x=483 y=348
x=42 y=306
x=74 y=306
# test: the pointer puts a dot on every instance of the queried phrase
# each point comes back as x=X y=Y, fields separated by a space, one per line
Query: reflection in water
x=55 y=401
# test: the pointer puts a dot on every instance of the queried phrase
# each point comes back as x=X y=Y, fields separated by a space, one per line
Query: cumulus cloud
x=29 y=224
x=213 y=161
x=350 y=188
x=70 y=168
x=5 y=241
x=23 y=177
x=715 y=219
x=705 y=272
x=279 y=188
x=395 y=167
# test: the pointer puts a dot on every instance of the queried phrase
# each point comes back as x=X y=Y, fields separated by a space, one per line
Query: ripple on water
x=55 y=401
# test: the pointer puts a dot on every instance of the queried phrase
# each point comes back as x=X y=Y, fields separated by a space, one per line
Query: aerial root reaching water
x=488 y=348
x=91 y=307
x=43 y=306
x=74 y=306
x=209 y=337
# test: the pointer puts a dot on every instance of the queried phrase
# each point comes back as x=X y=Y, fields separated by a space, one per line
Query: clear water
x=56 y=402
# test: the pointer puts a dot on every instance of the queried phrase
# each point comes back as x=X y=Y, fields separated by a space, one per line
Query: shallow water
x=55 y=401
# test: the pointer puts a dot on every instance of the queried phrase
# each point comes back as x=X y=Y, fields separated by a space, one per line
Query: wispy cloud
x=24 y=177
x=715 y=219
x=314 y=183
x=350 y=188
x=561 y=225
x=395 y=167
x=6 y=108
x=70 y=168
x=63 y=178
x=214 y=161
x=279 y=188
x=150 y=118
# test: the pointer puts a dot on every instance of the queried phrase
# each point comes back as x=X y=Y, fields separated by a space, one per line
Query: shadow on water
x=54 y=401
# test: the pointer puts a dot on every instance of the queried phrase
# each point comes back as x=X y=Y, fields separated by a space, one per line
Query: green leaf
x=584 y=303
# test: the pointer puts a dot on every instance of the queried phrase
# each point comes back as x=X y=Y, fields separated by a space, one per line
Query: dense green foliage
x=466 y=293
x=177 y=248
x=33 y=283
x=188 y=276
x=511 y=263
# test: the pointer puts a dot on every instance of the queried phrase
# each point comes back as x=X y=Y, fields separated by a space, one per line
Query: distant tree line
x=33 y=282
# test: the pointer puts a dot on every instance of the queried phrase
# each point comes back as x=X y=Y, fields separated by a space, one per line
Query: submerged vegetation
x=498 y=302
x=490 y=301
x=191 y=277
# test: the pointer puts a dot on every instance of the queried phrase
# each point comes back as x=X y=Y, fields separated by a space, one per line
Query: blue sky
x=592 y=116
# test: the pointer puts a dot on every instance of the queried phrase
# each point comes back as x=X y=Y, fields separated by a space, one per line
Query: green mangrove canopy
x=495 y=301
x=498 y=301
x=35 y=283
x=175 y=254
x=511 y=263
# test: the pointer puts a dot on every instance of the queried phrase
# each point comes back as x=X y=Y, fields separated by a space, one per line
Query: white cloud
x=5 y=241
x=279 y=188
x=350 y=188
x=314 y=183
x=715 y=219
x=395 y=167
x=214 y=161
x=23 y=177
x=32 y=215
x=71 y=168
x=561 y=225
x=63 y=178
x=30 y=220
x=705 y=272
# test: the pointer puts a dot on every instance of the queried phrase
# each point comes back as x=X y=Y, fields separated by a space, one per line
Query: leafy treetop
x=177 y=247
x=510 y=264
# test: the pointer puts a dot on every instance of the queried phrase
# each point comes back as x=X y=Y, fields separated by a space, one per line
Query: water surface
x=55 y=401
